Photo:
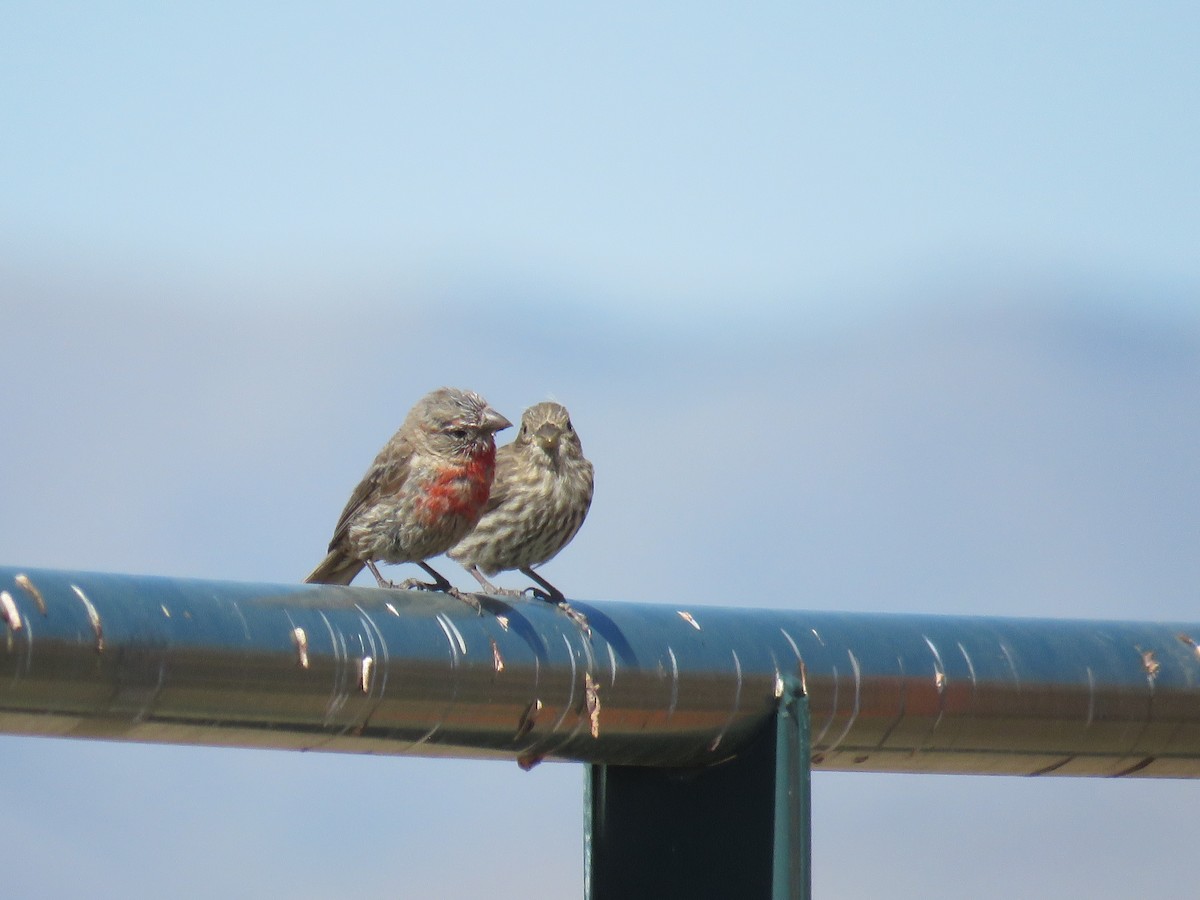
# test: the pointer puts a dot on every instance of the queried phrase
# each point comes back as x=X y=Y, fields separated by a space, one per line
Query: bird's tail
x=335 y=568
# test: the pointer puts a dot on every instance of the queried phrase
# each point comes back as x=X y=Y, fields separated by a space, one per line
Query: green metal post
x=736 y=829
x=792 y=877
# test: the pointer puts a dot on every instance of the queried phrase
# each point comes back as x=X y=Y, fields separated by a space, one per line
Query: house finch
x=541 y=494
x=426 y=489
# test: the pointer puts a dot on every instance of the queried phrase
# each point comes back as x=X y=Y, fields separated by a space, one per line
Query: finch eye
x=570 y=427
x=459 y=434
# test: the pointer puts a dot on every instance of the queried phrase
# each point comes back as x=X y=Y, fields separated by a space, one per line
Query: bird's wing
x=506 y=471
x=385 y=477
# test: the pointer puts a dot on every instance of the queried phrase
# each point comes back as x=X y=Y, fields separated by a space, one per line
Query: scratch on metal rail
x=24 y=583
x=674 y=683
x=737 y=703
x=854 y=664
x=93 y=617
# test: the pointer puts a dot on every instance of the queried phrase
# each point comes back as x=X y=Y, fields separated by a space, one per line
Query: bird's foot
x=561 y=602
x=577 y=617
x=467 y=598
x=416 y=584
x=504 y=592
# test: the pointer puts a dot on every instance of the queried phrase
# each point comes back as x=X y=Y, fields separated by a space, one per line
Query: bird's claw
x=467 y=598
x=504 y=592
x=577 y=617
x=415 y=584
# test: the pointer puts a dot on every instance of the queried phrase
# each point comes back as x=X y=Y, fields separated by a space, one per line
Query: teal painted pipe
x=667 y=683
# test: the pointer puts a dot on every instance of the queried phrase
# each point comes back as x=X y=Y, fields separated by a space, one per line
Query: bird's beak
x=493 y=421
x=547 y=435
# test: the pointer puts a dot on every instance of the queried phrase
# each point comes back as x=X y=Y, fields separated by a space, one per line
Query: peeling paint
x=1149 y=663
x=497 y=659
x=8 y=607
x=300 y=639
x=592 y=691
x=939 y=668
x=364 y=673
x=25 y=584
x=577 y=617
x=689 y=618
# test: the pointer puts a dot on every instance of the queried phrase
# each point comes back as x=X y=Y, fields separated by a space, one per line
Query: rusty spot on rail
x=528 y=718
x=528 y=760
x=592 y=693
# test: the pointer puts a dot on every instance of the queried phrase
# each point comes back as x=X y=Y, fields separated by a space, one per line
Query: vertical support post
x=793 y=796
x=737 y=829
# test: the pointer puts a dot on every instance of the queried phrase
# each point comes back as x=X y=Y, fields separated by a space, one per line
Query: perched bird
x=425 y=490
x=541 y=494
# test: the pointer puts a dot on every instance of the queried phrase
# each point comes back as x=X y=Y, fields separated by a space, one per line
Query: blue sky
x=667 y=155
x=883 y=309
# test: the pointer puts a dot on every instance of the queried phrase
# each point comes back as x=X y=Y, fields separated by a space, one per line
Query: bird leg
x=383 y=582
x=441 y=584
x=551 y=594
x=490 y=588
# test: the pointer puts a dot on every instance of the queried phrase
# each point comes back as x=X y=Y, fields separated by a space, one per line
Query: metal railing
x=650 y=690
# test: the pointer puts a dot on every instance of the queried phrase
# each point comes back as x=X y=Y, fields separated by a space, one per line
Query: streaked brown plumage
x=540 y=497
x=426 y=489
